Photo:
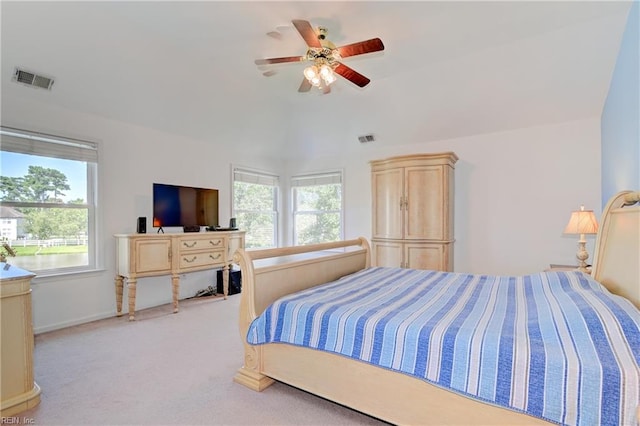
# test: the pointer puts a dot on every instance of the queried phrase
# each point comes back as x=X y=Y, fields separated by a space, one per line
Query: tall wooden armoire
x=413 y=211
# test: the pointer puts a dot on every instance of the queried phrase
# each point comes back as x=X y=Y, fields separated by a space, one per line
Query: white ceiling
x=449 y=69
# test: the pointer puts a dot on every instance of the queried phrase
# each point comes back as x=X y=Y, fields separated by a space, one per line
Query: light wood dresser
x=412 y=201
x=147 y=255
x=19 y=390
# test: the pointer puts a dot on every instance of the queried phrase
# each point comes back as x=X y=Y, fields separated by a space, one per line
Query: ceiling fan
x=325 y=58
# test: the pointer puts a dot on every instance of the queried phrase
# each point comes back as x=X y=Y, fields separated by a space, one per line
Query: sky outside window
x=17 y=165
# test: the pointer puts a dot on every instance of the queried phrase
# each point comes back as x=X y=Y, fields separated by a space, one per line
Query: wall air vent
x=366 y=138
x=32 y=79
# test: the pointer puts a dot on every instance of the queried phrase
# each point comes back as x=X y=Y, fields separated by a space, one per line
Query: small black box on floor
x=235 y=281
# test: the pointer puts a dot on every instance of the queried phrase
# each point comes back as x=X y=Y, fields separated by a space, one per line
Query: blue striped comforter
x=555 y=345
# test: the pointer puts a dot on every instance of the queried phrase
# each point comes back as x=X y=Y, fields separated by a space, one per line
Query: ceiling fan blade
x=360 y=48
x=280 y=60
x=307 y=32
x=305 y=86
x=351 y=75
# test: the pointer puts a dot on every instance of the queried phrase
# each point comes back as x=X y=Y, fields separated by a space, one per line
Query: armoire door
x=387 y=199
x=423 y=209
x=388 y=253
x=425 y=256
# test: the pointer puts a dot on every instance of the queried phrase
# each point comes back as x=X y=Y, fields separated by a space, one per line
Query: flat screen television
x=186 y=206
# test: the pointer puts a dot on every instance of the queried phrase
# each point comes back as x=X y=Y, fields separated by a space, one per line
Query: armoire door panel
x=424 y=214
x=387 y=197
x=387 y=254
x=425 y=256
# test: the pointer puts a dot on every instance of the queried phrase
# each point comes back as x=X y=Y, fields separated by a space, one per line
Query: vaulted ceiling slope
x=449 y=68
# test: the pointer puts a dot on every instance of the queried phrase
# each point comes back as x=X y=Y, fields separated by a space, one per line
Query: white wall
x=514 y=194
x=515 y=191
x=131 y=159
x=620 y=116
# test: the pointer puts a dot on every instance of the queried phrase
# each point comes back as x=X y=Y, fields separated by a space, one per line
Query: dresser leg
x=119 y=291
x=225 y=281
x=175 y=285
x=131 y=285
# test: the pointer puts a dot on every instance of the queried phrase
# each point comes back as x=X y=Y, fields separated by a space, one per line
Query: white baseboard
x=77 y=321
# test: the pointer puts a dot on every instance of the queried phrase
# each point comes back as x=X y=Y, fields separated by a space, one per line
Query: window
x=255 y=201
x=317 y=208
x=48 y=201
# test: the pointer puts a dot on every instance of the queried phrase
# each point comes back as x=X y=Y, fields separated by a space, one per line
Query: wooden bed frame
x=391 y=396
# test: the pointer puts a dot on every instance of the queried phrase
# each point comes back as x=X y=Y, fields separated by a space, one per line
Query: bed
x=601 y=310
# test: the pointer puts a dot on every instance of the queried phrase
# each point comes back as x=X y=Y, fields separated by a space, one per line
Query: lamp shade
x=582 y=222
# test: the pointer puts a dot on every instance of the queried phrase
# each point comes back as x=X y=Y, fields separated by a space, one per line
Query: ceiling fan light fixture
x=330 y=78
x=325 y=71
x=320 y=72
x=310 y=72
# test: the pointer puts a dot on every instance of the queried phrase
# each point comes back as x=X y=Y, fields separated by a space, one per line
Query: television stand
x=174 y=254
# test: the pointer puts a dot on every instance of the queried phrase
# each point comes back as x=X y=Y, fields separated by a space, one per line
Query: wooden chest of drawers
x=146 y=255
x=18 y=390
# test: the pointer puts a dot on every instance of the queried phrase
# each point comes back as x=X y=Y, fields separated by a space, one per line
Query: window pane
x=250 y=196
x=49 y=238
x=39 y=179
x=254 y=206
x=317 y=204
x=319 y=197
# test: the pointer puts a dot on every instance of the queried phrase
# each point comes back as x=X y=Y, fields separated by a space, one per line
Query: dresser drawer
x=196 y=244
x=208 y=258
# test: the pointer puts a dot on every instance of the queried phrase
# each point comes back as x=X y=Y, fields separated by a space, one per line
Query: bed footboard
x=272 y=273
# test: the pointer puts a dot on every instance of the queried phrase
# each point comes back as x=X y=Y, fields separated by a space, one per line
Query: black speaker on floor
x=235 y=281
x=142 y=225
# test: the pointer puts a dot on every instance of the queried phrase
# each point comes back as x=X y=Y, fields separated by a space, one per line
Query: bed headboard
x=616 y=260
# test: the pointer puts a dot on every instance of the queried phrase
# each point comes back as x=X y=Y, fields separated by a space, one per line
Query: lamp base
x=582 y=255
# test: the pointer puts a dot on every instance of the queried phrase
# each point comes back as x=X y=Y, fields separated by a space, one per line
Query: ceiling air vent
x=366 y=138
x=32 y=79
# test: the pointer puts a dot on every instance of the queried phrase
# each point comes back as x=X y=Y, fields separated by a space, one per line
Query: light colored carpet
x=165 y=369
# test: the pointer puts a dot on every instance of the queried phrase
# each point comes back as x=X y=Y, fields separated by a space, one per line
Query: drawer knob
x=189 y=260
x=186 y=244
x=217 y=243
x=218 y=256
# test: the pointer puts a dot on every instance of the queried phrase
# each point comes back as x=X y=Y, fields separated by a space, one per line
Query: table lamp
x=582 y=222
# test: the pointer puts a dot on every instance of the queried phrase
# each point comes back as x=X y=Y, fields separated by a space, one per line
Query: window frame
x=331 y=176
x=55 y=146
x=249 y=175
